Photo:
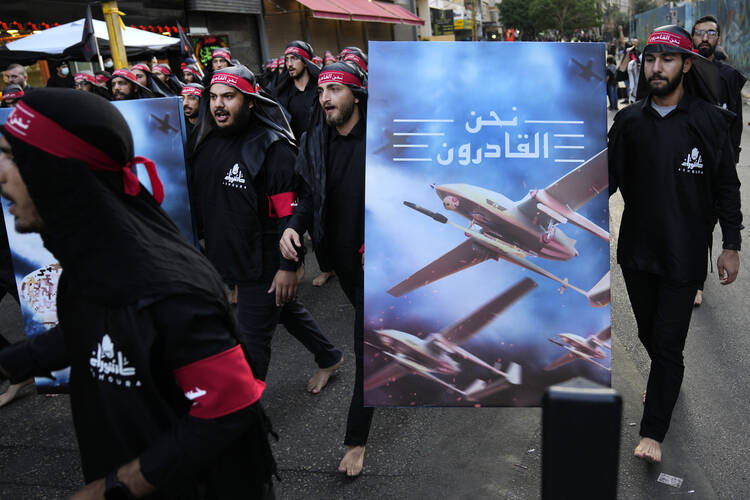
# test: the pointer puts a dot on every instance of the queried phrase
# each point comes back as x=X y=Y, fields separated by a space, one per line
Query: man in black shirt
x=706 y=36
x=297 y=91
x=191 y=99
x=243 y=179
x=331 y=206
x=163 y=399
x=671 y=157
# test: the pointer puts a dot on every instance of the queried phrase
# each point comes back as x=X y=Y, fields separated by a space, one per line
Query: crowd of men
x=271 y=158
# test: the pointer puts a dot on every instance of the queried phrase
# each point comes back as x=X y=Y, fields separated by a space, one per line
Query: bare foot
x=13 y=391
x=353 y=460
x=698 y=298
x=320 y=379
x=649 y=450
x=321 y=279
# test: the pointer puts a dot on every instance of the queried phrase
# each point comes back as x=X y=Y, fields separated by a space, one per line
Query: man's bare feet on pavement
x=353 y=460
x=13 y=391
x=320 y=379
x=322 y=278
x=649 y=450
x=698 y=298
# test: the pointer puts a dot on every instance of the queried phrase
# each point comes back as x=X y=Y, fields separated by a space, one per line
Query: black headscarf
x=114 y=248
x=304 y=51
x=268 y=112
x=141 y=92
x=173 y=83
x=156 y=86
x=703 y=78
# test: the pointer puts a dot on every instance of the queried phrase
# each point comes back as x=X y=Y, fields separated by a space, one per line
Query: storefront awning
x=361 y=10
x=326 y=9
x=404 y=15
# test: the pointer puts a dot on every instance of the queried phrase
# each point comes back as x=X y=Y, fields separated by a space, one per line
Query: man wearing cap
x=62 y=77
x=11 y=94
x=191 y=99
x=331 y=164
x=671 y=157
x=163 y=399
x=190 y=74
x=243 y=177
x=706 y=36
x=296 y=92
x=124 y=86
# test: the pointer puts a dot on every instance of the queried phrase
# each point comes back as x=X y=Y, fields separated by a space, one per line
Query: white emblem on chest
x=693 y=164
x=235 y=178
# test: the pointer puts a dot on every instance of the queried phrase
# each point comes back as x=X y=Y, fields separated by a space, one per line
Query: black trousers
x=257 y=317
x=662 y=310
x=359 y=419
x=7 y=285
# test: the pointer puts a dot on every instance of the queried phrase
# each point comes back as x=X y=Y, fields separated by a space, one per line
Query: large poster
x=487 y=244
x=158 y=128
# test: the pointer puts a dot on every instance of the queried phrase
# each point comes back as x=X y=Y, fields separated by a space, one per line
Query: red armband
x=220 y=384
x=362 y=248
x=281 y=205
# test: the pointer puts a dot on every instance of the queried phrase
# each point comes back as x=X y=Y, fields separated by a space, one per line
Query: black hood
x=268 y=112
x=703 y=78
x=115 y=248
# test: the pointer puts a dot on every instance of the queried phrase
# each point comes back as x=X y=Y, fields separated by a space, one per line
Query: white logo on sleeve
x=235 y=178
x=110 y=365
x=195 y=394
x=693 y=164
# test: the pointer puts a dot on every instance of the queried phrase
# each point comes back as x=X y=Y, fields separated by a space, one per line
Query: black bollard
x=580 y=441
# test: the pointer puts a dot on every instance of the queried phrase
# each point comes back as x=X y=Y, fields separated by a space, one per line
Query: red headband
x=102 y=78
x=297 y=51
x=123 y=73
x=667 y=38
x=35 y=129
x=221 y=53
x=88 y=78
x=355 y=58
x=194 y=91
x=273 y=64
x=13 y=95
x=235 y=81
x=162 y=69
x=192 y=70
x=140 y=66
x=338 y=77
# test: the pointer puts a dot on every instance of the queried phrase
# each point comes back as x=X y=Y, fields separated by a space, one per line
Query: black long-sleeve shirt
x=730 y=97
x=164 y=381
x=674 y=172
x=235 y=179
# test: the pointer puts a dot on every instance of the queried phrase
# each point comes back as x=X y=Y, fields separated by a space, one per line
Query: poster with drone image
x=486 y=222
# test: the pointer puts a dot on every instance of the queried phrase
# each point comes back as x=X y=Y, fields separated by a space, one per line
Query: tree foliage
x=564 y=16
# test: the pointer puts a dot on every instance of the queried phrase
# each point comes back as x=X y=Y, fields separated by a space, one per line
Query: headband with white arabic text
x=667 y=38
x=235 y=81
x=87 y=78
x=221 y=53
x=192 y=70
x=35 y=129
x=338 y=77
x=123 y=73
x=193 y=91
x=162 y=69
x=297 y=51
x=141 y=67
x=17 y=94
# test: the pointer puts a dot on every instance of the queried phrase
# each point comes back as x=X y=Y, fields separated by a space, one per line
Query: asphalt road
x=452 y=453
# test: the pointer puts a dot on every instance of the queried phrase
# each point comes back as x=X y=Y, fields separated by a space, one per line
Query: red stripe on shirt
x=281 y=205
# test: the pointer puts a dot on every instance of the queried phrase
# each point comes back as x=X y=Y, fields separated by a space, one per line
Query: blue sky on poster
x=448 y=81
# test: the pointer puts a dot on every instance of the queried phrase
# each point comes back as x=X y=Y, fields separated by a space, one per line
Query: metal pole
x=474 y=20
x=116 y=45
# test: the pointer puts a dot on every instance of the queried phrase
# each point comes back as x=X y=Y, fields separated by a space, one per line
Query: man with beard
x=331 y=206
x=88 y=83
x=163 y=399
x=297 y=92
x=190 y=74
x=671 y=157
x=124 y=86
x=243 y=179
x=706 y=36
x=16 y=75
x=191 y=99
x=146 y=78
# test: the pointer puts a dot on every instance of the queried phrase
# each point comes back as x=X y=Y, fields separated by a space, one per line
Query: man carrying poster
x=671 y=157
x=331 y=205
x=162 y=394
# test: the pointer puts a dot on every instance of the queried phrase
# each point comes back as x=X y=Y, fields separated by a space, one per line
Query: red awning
x=364 y=10
x=404 y=15
x=326 y=9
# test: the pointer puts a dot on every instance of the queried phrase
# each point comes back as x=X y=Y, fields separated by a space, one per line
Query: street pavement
x=461 y=453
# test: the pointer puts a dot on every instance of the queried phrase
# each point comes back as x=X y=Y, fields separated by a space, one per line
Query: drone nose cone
x=433 y=185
